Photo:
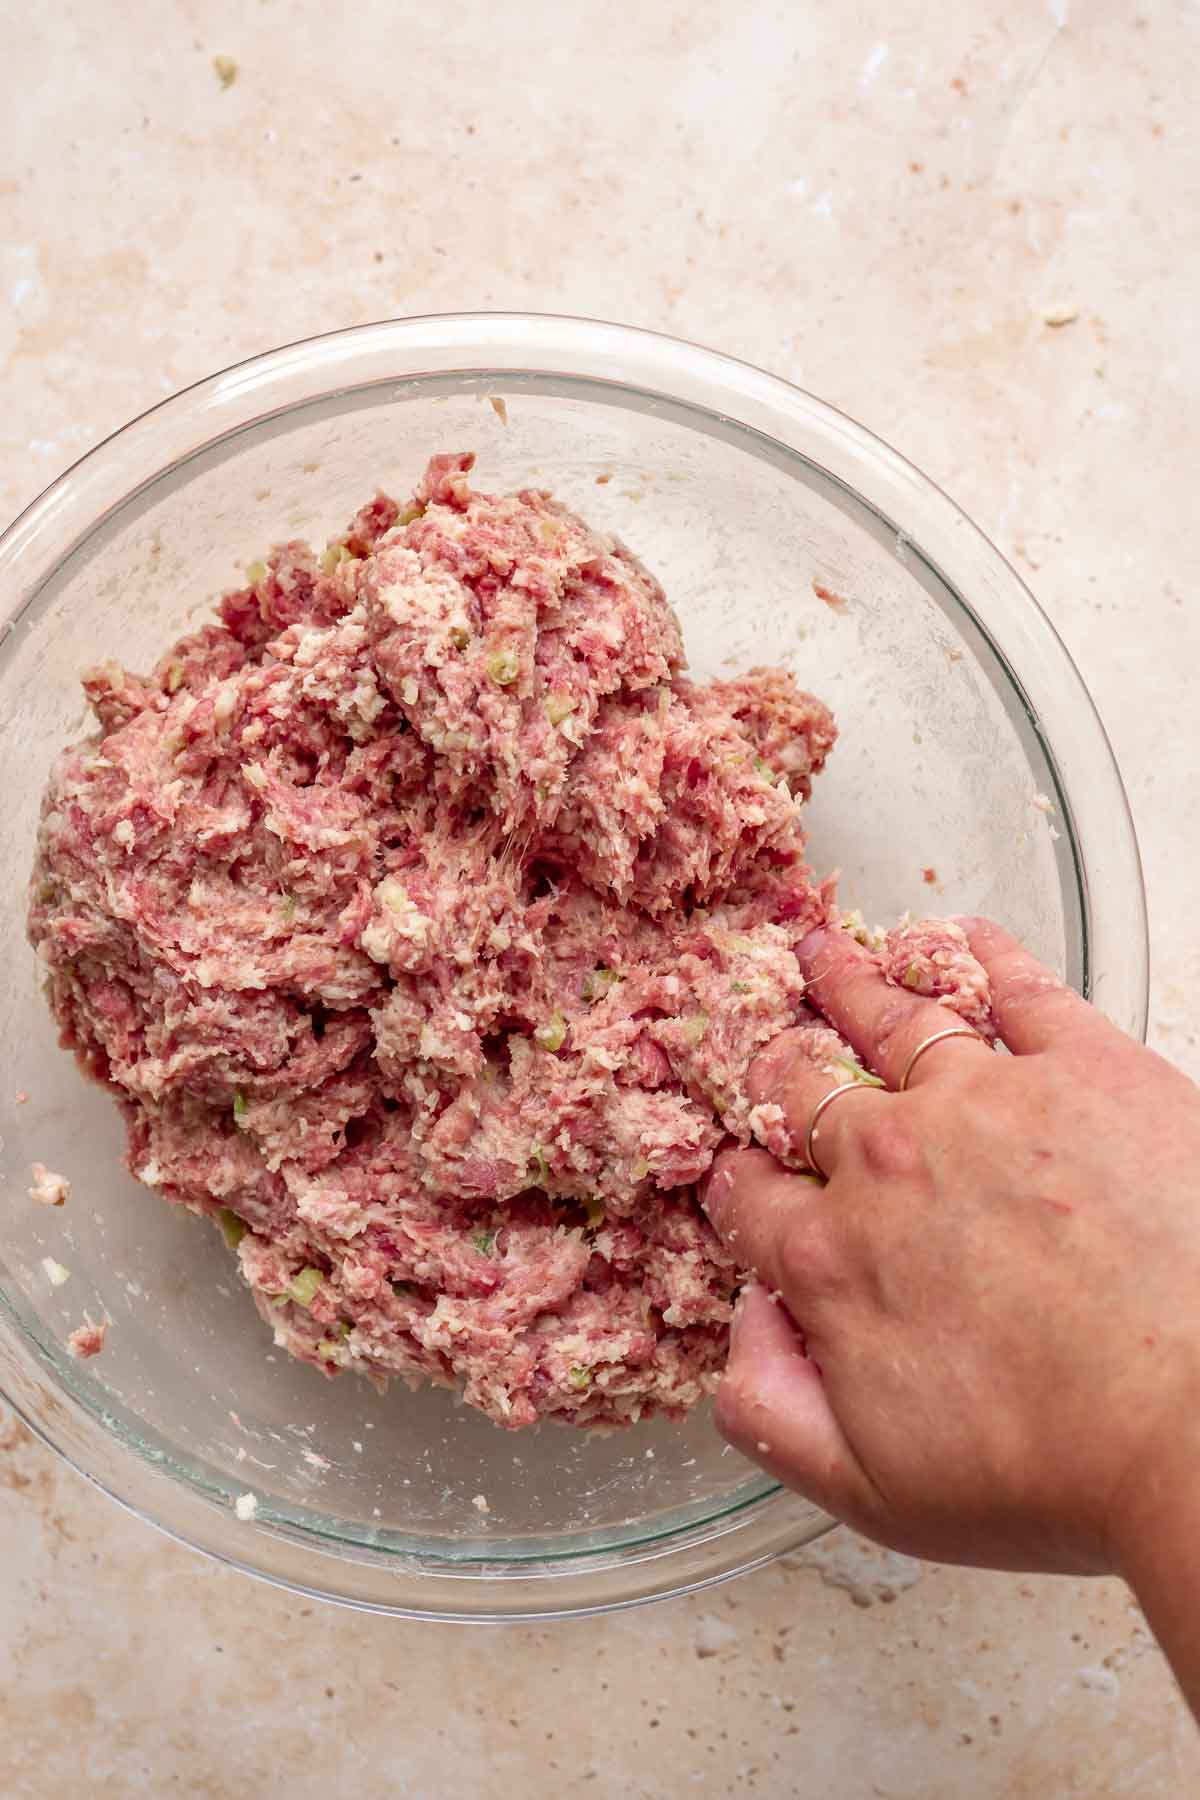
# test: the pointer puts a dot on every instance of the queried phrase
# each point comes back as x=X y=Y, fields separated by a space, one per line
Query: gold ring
x=928 y=1043
x=826 y=1100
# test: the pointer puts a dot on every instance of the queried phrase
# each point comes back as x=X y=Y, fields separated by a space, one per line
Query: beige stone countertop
x=884 y=209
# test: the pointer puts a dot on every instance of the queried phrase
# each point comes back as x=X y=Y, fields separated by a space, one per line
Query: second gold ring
x=822 y=1106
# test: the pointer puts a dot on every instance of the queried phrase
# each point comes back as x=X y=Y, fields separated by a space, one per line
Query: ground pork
x=424 y=919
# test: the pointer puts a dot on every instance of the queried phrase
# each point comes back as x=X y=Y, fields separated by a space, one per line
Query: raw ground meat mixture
x=424 y=920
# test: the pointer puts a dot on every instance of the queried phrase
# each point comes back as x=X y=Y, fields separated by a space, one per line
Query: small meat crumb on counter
x=246 y=1507
x=835 y=602
x=21 y=1098
x=226 y=70
x=49 y=1188
x=87 y=1339
x=54 y=1272
x=1064 y=313
x=480 y=1503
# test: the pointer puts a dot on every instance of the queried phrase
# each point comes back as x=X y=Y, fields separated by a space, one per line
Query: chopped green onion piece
x=640 y=1169
x=483 y=1241
x=302 y=1288
x=401 y=1289
x=539 y=1167
x=409 y=514
x=503 y=666
x=328 y=1349
x=595 y=1212
x=240 y=1106
x=553 y=1034
x=233 y=1229
x=558 y=707
x=174 y=679
x=579 y=1377
x=854 y=1071
x=860 y=931
x=597 y=982
x=256 y=573
x=765 y=770
x=912 y=976
x=740 y=987
x=288 y=908
x=335 y=554
x=460 y=636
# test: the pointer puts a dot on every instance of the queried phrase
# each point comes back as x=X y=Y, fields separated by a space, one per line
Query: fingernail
x=712 y=1187
x=739 y=1305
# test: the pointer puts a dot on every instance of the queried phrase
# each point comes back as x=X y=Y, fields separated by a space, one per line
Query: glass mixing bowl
x=969 y=748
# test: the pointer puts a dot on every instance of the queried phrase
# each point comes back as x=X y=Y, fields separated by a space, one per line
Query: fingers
x=788 y=1231
x=765 y=1214
x=1034 y=1009
x=797 y=1072
x=773 y=1407
x=883 y=1023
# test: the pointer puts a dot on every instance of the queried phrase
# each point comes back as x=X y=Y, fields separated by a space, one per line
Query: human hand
x=998 y=1288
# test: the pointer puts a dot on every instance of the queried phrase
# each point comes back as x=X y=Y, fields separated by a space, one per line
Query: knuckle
x=960 y=1069
x=894 y=1025
x=772 y=1067
x=1020 y=985
x=808 y=1262
x=889 y=1148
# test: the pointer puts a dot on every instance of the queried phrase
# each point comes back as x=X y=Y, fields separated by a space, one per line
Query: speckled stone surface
x=885 y=210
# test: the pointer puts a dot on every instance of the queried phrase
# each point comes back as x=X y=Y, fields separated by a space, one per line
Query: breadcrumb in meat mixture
x=424 y=918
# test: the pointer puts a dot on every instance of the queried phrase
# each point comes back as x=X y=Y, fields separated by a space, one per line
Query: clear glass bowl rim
x=1093 y=809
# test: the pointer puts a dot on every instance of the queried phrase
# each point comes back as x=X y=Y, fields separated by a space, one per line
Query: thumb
x=772 y=1406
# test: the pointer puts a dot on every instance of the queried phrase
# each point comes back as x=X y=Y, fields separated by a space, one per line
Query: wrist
x=1154 y=1523
x=1156 y=1554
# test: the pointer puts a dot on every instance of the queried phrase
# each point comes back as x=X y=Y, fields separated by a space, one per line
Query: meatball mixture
x=424 y=918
